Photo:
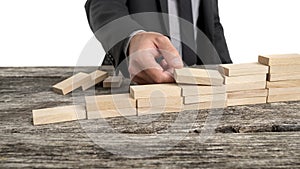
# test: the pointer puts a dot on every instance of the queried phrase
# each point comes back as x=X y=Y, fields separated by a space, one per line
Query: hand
x=144 y=49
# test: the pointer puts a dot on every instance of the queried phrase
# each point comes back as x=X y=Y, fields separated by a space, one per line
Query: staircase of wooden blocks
x=283 y=78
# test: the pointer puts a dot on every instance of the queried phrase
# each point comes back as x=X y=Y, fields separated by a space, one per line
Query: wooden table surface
x=256 y=136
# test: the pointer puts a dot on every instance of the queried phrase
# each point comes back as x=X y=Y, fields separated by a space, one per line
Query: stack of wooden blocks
x=245 y=83
x=283 y=78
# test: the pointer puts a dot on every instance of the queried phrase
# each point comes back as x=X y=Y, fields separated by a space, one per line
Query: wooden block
x=283 y=76
x=198 y=76
x=284 y=59
x=95 y=78
x=284 y=84
x=194 y=90
x=204 y=98
x=284 y=69
x=71 y=83
x=248 y=94
x=156 y=90
x=157 y=110
x=284 y=91
x=113 y=82
x=160 y=102
x=109 y=69
x=283 y=98
x=206 y=105
x=58 y=114
x=243 y=69
x=245 y=79
x=246 y=101
x=245 y=86
x=111 y=113
x=109 y=102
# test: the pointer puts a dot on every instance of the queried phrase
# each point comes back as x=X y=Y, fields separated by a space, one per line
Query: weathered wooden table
x=257 y=136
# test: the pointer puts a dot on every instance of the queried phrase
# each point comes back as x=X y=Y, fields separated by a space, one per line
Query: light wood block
x=160 y=102
x=95 y=78
x=204 y=98
x=283 y=98
x=284 y=84
x=198 y=76
x=243 y=69
x=113 y=82
x=284 y=69
x=283 y=76
x=157 y=110
x=245 y=86
x=245 y=79
x=248 y=94
x=246 y=101
x=109 y=102
x=206 y=105
x=156 y=90
x=111 y=113
x=194 y=90
x=284 y=91
x=58 y=114
x=283 y=59
x=71 y=83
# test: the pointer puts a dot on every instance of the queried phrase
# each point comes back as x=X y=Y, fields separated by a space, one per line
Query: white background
x=54 y=32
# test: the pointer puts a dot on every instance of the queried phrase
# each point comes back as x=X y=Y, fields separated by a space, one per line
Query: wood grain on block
x=71 y=83
x=245 y=79
x=157 y=110
x=284 y=69
x=204 y=98
x=198 y=76
x=206 y=105
x=284 y=91
x=113 y=82
x=246 y=101
x=95 y=78
x=247 y=94
x=283 y=98
x=243 y=69
x=283 y=59
x=283 y=76
x=160 y=102
x=245 y=86
x=194 y=90
x=155 y=90
x=284 y=84
x=58 y=114
x=98 y=114
x=109 y=102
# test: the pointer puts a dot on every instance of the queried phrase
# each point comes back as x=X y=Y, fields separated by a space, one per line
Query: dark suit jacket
x=111 y=24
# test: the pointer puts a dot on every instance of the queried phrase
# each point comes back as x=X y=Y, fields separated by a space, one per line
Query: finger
x=142 y=78
x=164 y=64
x=160 y=76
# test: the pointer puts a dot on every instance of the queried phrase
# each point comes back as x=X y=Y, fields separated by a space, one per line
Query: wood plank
x=194 y=90
x=283 y=76
x=95 y=78
x=246 y=101
x=58 y=114
x=283 y=91
x=160 y=102
x=284 y=84
x=204 y=98
x=243 y=69
x=113 y=82
x=155 y=90
x=281 y=59
x=71 y=83
x=247 y=94
x=283 y=98
x=245 y=79
x=206 y=105
x=198 y=76
x=245 y=86
x=111 y=113
x=278 y=69
x=157 y=110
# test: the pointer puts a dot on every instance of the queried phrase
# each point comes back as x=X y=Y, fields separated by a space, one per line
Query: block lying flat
x=284 y=59
x=204 y=98
x=156 y=90
x=198 y=76
x=246 y=101
x=71 y=83
x=283 y=98
x=160 y=102
x=284 y=69
x=158 y=110
x=284 y=91
x=248 y=94
x=206 y=105
x=245 y=86
x=243 y=69
x=194 y=90
x=283 y=76
x=95 y=78
x=284 y=84
x=111 y=113
x=113 y=82
x=245 y=79
x=58 y=114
